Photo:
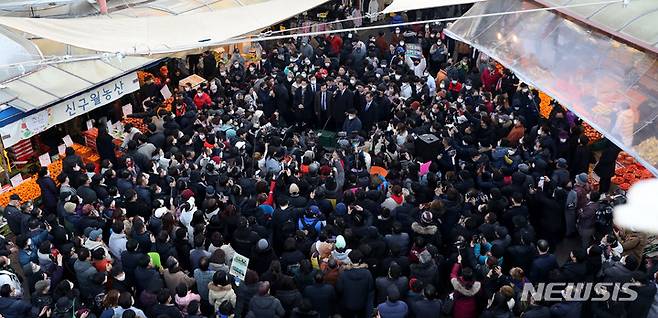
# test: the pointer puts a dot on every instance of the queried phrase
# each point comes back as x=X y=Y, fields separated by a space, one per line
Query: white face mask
x=563 y=140
x=312 y=81
x=352 y=82
x=525 y=90
x=199 y=94
x=454 y=82
x=398 y=77
x=468 y=87
x=401 y=43
x=352 y=116
x=251 y=69
x=327 y=64
x=121 y=277
x=222 y=73
x=397 y=31
x=442 y=85
x=307 y=62
x=460 y=100
x=290 y=79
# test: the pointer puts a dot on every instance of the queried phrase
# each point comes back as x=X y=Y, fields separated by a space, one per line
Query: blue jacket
x=14 y=308
x=396 y=309
x=541 y=267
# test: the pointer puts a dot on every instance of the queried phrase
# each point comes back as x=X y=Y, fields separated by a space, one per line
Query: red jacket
x=201 y=101
x=489 y=79
x=336 y=44
x=465 y=295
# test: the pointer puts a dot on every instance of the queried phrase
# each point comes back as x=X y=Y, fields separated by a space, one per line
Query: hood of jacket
x=424 y=229
x=217 y=288
x=263 y=302
x=464 y=289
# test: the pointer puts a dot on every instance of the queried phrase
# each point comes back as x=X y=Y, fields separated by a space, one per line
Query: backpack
x=309 y=227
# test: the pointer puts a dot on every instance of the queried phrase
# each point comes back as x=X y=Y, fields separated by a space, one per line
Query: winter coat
x=465 y=302
x=383 y=283
x=203 y=278
x=218 y=294
x=265 y=307
x=425 y=307
x=396 y=309
x=634 y=243
x=356 y=287
x=541 y=267
x=14 y=308
x=322 y=297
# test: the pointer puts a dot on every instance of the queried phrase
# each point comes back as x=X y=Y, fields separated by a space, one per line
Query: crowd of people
x=373 y=222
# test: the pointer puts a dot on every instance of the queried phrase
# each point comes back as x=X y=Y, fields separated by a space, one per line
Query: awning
x=406 y=5
x=611 y=85
x=166 y=34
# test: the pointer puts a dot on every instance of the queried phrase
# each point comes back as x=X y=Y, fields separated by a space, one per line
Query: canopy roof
x=610 y=84
x=406 y=5
x=636 y=22
x=161 y=34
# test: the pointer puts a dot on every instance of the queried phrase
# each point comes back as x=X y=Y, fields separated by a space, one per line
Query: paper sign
x=67 y=141
x=61 y=149
x=166 y=93
x=90 y=124
x=413 y=50
x=44 y=160
x=239 y=266
x=127 y=109
x=109 y=126
x=16 y=180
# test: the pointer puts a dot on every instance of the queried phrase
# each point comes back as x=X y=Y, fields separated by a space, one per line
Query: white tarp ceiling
x=156 y=35
x=406 y=5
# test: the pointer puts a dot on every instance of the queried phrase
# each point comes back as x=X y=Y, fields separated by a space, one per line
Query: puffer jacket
x=219 y=294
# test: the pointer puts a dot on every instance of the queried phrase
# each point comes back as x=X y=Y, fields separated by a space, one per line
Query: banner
x=68 y=109
x=413 y=50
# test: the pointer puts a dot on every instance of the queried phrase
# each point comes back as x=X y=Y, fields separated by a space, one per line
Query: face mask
x=401 y=43
x=307 y=62
x=199 y=94
x=251 y=69
x=442 y=85
x=187 y=89
x=352 y=82
x=290 y=79
x=213 y=89
x=313 y=81
x=460 y=100
x=397 y=77
x=563 y=140
x=525 y=90
x=236 y=65
x=454 y=82
x=202 y=136
x=222 y=73
x=295 y=68
x=352 y=116
x=121 y=277
x=397 y=31
x=468 y=87
x=327 y=64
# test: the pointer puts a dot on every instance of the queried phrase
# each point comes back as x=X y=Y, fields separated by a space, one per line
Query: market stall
x=610 y=84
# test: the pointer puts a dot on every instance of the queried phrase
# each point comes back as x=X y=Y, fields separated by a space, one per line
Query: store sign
x=68 y=109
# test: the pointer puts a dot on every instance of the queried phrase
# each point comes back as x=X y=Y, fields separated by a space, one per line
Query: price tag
x=127 y=109
x=44 y=160
x=61 y=149
x=67 y=141
x=16 y=180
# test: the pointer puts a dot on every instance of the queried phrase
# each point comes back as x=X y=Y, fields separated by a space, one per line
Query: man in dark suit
x=369 y=114
x=302 y=103
x=343 y=100
x=282 y=97
x=323 y=104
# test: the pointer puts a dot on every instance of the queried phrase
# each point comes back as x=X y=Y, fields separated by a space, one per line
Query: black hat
x=14 y=197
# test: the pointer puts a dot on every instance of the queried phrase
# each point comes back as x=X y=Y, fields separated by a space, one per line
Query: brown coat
x=634 y=244
x=173 y=280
